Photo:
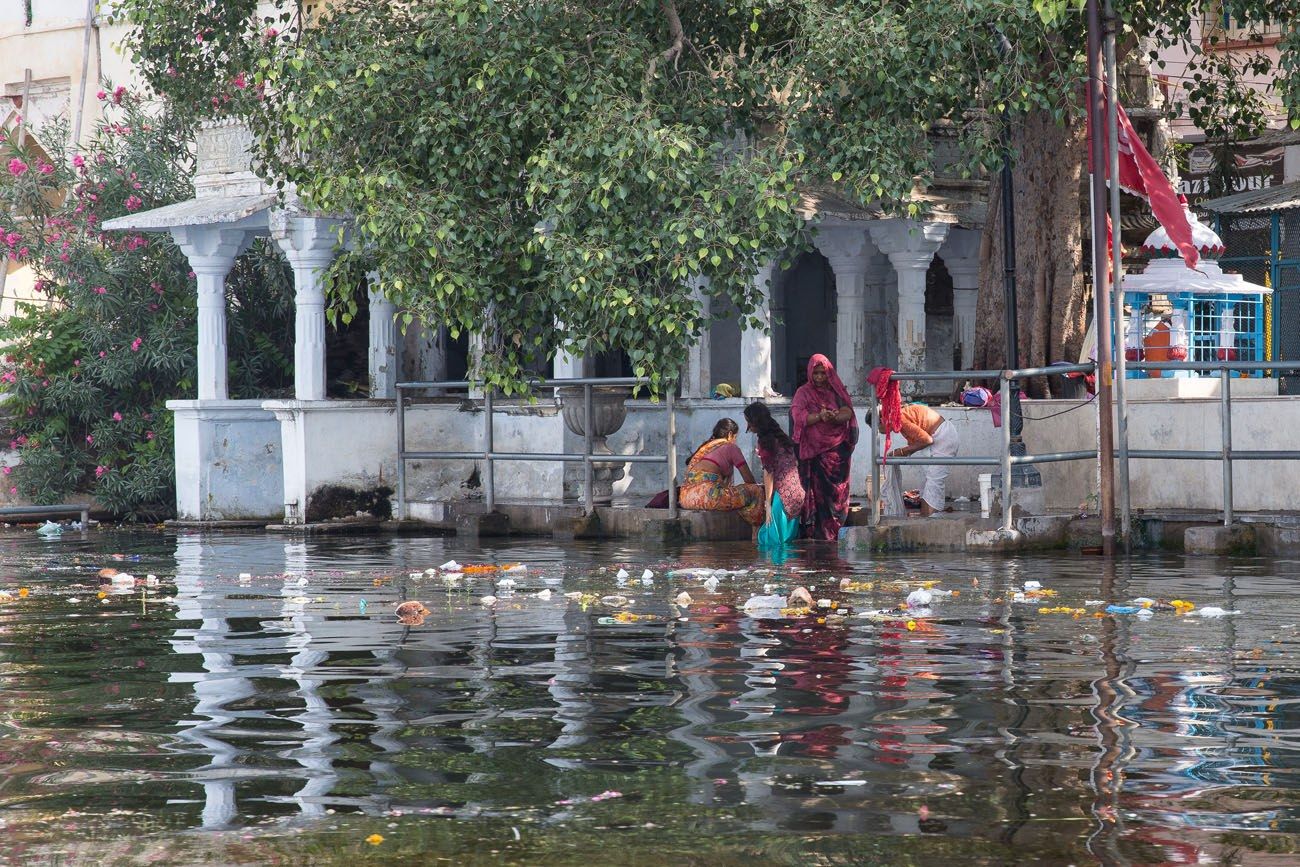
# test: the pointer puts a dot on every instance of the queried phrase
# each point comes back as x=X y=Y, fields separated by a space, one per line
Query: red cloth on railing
x=891 y=402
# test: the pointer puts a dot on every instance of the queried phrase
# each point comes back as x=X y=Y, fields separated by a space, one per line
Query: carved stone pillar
x=697 y=375
x=848 y=250
x=211 y=251
x=960 y=254
x=756 y=343
x=910 y=245
x=383 y=342
x=309 y=243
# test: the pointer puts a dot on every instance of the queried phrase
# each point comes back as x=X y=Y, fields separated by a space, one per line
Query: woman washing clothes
x=923 y=428
x=826 y=431
x=707 y=486
x=783 y=493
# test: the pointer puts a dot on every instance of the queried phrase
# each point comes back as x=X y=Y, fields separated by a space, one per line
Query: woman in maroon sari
x=826 y=431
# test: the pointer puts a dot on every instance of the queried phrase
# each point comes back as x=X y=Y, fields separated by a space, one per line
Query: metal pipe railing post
x=489 y=468
x=1005 y=394
x=401 y=456
x=588 y=497
x=873 y=519
x=1109 y=22
x=1225 y=411
x=672 y=453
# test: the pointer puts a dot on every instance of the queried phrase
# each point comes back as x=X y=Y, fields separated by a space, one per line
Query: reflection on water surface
x=288 y=716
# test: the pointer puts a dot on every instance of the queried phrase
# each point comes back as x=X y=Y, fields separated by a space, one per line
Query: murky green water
x=277 y=719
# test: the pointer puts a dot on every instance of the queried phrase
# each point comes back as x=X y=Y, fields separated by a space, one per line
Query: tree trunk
x=1051 y=302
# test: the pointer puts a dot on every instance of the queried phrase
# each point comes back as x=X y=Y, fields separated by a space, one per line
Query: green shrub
x=87 y=374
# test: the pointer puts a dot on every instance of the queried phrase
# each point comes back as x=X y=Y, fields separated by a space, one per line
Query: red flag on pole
x=1141 y=175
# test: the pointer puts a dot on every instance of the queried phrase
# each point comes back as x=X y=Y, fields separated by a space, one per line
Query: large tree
x=556 y=173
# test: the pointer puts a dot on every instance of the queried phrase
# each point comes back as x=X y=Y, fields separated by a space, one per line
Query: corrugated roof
x=194 y=212
x=1283 y=197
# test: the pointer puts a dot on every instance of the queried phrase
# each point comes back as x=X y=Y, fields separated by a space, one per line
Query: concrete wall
x=1259 y=424
x=228 y=461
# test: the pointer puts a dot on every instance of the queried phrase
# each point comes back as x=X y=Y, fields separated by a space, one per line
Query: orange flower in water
x=102 y=594
x=480 y=569
x=911 y=626
x=374 y=839
x=22 y=592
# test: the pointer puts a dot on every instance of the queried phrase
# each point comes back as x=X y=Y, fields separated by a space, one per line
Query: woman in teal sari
x=783 y=493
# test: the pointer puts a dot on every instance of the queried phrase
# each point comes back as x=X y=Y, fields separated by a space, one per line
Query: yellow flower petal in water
x=374 y=839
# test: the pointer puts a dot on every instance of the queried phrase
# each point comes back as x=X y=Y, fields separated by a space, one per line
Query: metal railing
x=1009 y=379
x=1225 y=452
x=489 y=455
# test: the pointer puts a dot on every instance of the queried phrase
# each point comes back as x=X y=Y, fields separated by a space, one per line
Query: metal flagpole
x=1101 y=283
x=1116 y=276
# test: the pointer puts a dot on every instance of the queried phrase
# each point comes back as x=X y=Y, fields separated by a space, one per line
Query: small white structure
x=1212 y=315
x=254 y=458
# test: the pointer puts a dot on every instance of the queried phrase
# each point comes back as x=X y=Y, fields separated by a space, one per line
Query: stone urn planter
x=608 y=412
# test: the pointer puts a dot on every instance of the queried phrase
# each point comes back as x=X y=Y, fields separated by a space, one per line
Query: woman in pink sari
x=826 y=431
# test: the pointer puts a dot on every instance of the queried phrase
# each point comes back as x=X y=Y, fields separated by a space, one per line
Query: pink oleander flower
x=100 y=290
x=100 y=95
x=271 y=33
x=45 y=168
x=17 y=167
x=8 y=470
x=100 y=471
x=13 y=490
x=90 y=440
x=133 y=203
x=239 y=81
x=103 y=354
x=118 y=93
x=148 y=434
x=135 y=344
x=79 y=161
x=171 y=72
x=117 y=416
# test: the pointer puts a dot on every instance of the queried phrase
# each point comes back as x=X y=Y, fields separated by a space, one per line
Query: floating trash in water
x=1033 y=585
x=711 y=584
x=543 y=594
x=766 y=606
x=151 y=580
x=625 y=617
x=614 y=601
x=647 y=577
x=1145 y=614
x=683 y=599
x=848 y=585
x=1121 y=609
x=411 y=608
x=361 y=604
x=919 y=598
x=621 y=574
x=507 y=583
x=1182 y=606
x=1213 y=611
x=514 y=567
x=488 y=600
x=49 y=528
x=450 y=566
x=1144 y=601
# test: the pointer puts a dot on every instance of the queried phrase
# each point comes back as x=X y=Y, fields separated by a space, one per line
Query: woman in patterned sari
x=783 y=493
x=707 y=486
x=826 y=431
